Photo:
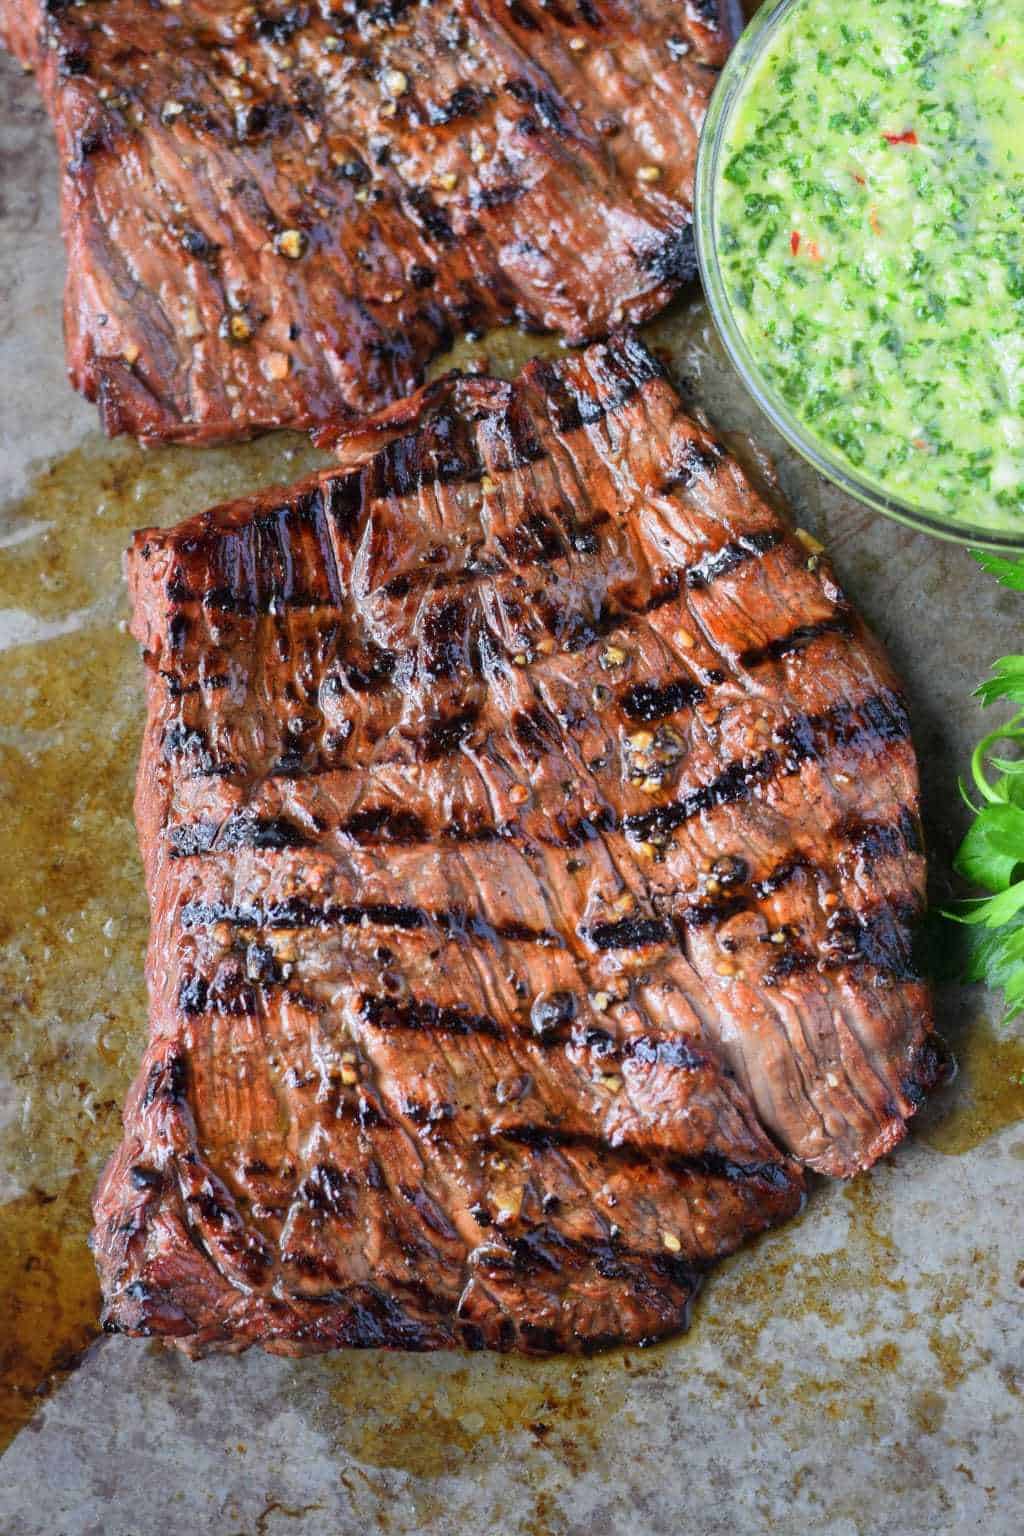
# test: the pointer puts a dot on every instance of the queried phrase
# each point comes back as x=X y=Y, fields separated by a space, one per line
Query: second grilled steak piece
x=531 y=834
x=277 y=214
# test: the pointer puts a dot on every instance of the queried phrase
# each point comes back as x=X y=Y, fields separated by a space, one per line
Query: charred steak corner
x=276 y=214
x=531 y=834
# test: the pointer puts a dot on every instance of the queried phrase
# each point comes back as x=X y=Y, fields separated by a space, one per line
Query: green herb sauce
x=870 y=220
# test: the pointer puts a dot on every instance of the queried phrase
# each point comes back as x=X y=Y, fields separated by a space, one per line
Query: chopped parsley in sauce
x=870 y=219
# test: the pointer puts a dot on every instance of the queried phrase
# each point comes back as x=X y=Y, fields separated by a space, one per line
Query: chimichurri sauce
x=870 y=217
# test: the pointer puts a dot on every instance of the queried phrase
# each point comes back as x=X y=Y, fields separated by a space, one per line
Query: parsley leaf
x=1008 y=572
x=1008 y=682
x=997 y=959
x=992 y=853
x=993 y=849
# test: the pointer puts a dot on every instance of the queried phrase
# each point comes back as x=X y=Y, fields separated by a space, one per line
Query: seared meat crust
x=531 y=832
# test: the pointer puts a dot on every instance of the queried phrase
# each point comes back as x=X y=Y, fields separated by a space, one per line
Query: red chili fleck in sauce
x=794 y=241
x=910 y=137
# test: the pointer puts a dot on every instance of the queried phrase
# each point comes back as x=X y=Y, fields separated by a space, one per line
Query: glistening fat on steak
x=531 y=834
x=278 y=213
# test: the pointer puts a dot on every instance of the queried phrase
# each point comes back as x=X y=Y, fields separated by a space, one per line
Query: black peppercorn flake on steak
x=277 y=214
x=531 y=835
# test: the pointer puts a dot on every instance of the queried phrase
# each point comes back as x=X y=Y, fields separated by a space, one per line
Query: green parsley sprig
x=992 y=854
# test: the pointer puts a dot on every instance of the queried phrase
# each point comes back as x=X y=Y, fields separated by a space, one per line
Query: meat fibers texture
x=531 y=834
x=277 y=214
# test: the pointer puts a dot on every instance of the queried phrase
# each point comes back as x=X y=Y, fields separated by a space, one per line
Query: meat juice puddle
x=425 y=1415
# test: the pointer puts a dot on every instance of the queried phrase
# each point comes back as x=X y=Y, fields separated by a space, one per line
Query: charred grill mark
x=932 y=1064
x=879 y=937
x=239 y=831
x=192 y=838
x=444 y=638
x=735 y=783
x=167 y=1079
x=465 y=101
x=781 y=875
x=472 y=831
x=693 y=461
x=177 y=689
x=431 y=1214
x=749 y=546
x=547 y=1249
x=384 y=1014
x=547 y=108
x=511 y=437
x=532 y=730
x=298 y=913
x=430 y=215
x=385 y=824
x=444 y=737
x=537 y=539
x=712 y=1165
x=649 y=702
x=793 y=961
x=498 y=196
x=343 y=499
x=192 y=994
x=878 y=721
x=422 y=1015
x=673 y=259
x=703 y=913
x=329 y=1192
x=370 y=674
x=669 y=1051
x=443 y=452
x=909 y=824
x=182 y=741
x=630 y=933
x=456 y=923
x=796 y=640
x=665 y=591
x=573 y=406
x=870 y=840
x=874 y=840
x=229 y=995
x=522 y=17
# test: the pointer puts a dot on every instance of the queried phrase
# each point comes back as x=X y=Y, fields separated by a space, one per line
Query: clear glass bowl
x=728 y=94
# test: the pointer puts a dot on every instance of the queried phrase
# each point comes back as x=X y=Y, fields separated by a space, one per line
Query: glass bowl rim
x=729 y=91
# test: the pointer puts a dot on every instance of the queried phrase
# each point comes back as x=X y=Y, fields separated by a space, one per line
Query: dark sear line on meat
x=526 y=914
x=276 y=216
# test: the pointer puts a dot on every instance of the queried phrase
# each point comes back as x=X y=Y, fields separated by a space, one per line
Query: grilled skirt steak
x=278 y=213
x=531 y=833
